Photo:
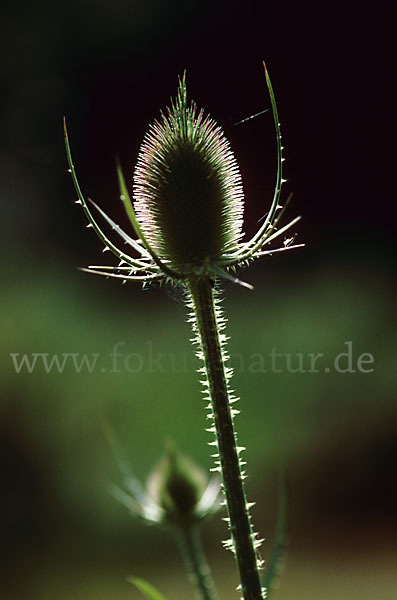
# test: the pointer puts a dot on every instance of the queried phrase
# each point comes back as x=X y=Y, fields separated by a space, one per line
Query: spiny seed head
x=187 y=187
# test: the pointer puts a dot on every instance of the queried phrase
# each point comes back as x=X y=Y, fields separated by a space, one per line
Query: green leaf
x=125 y=198
x=147 y=590
x=276 y=560
x=129 y=209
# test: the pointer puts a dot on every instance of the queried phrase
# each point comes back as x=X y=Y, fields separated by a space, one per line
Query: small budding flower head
x=177 y=485
x=178 y=492
x=187 y=187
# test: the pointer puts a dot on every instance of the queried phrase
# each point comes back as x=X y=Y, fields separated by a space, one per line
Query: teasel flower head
x=188 y=191
x=187 y=209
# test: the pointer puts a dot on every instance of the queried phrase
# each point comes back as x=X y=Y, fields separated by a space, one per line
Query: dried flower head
x=188 y=202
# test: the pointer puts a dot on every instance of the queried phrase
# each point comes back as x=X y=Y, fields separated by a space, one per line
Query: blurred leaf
x=147 y=590
x=276 y=561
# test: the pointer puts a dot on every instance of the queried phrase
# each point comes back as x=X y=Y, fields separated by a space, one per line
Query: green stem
x=196 y=564
x=242 y=537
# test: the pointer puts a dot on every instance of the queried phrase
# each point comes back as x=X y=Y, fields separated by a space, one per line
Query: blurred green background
x=110 y=68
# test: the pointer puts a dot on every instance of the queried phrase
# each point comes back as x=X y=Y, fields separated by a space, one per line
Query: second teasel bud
x=177 y=486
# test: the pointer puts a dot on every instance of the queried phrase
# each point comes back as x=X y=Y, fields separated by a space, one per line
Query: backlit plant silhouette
x=187 y=216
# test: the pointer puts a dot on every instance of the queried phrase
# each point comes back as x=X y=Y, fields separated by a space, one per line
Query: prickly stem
x=196 y=564
x=207 y=324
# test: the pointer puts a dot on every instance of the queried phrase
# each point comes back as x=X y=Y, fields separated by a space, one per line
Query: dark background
x=110 y=67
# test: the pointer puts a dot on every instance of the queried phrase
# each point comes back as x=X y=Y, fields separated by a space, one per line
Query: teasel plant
x=187 y=216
